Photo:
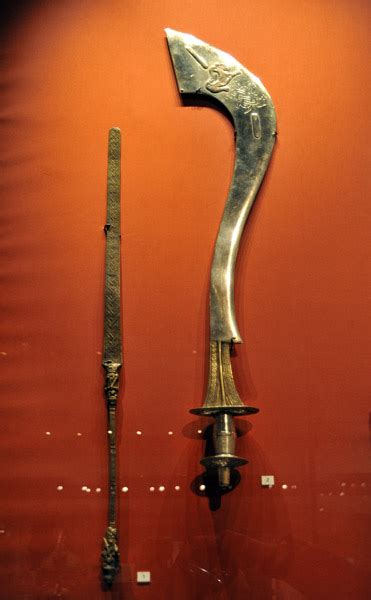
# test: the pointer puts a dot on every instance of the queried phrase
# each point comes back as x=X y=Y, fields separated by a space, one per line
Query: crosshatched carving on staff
x=112 y=352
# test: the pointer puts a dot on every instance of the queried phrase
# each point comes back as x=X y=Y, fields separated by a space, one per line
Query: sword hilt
x=223 y=403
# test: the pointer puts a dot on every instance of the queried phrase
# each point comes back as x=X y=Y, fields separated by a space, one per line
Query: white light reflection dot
x=109 y=431
x=2 y=531
x=84 y=488
x=177 y=488
x=125 y=489
x=284 y=486
x=343 y=484
x=139 y=433
x=4 y=353
x=161 y=488
x=98 y=490
x=151 y=489
x=170 y=432
x=59 y=488
x=79 y=434
x=202 y=487
x=342 y=494
x=199 y=431
x=47 y=433
x=88 y=490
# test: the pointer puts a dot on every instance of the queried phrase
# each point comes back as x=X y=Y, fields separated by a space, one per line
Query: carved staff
x=112 y=353
x=206 y=71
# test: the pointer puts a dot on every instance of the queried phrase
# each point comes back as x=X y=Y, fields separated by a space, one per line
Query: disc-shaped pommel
x=224 y=440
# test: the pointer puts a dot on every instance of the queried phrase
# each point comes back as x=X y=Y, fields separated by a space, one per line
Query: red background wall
x=71 y=71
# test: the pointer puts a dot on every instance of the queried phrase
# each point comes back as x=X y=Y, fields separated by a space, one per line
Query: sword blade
x=202 y=70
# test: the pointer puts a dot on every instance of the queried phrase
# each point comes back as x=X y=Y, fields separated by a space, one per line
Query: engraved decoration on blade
x=222 y=79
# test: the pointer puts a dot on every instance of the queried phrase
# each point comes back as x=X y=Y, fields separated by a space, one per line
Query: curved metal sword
x=202 y=70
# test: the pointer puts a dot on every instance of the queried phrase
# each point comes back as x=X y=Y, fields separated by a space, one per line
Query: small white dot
x=202 y=487
x=161 y=488
x=47 y=433
x=2 y=531
x=83 y=489
x=88 y=490
x=343 y=484
x=284 y=486
x=59 y=487
x=177 y=488
x=151 y=489
x=125 y=489
x=139 y=433
x=194 y=351
x=109 y=431
x=199 y=431
x=99 y=353
x=4 y=353
x=170 y=432
x=98 y=490
x=342 y=494
x=79 y=434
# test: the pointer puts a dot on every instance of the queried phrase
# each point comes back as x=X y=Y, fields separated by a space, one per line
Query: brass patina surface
x=204 y=71
x=112 y=352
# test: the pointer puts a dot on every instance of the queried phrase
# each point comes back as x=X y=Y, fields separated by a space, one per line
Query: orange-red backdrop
x=71 y=71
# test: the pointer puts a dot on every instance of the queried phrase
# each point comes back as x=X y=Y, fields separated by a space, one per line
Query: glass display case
x=295 y=522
